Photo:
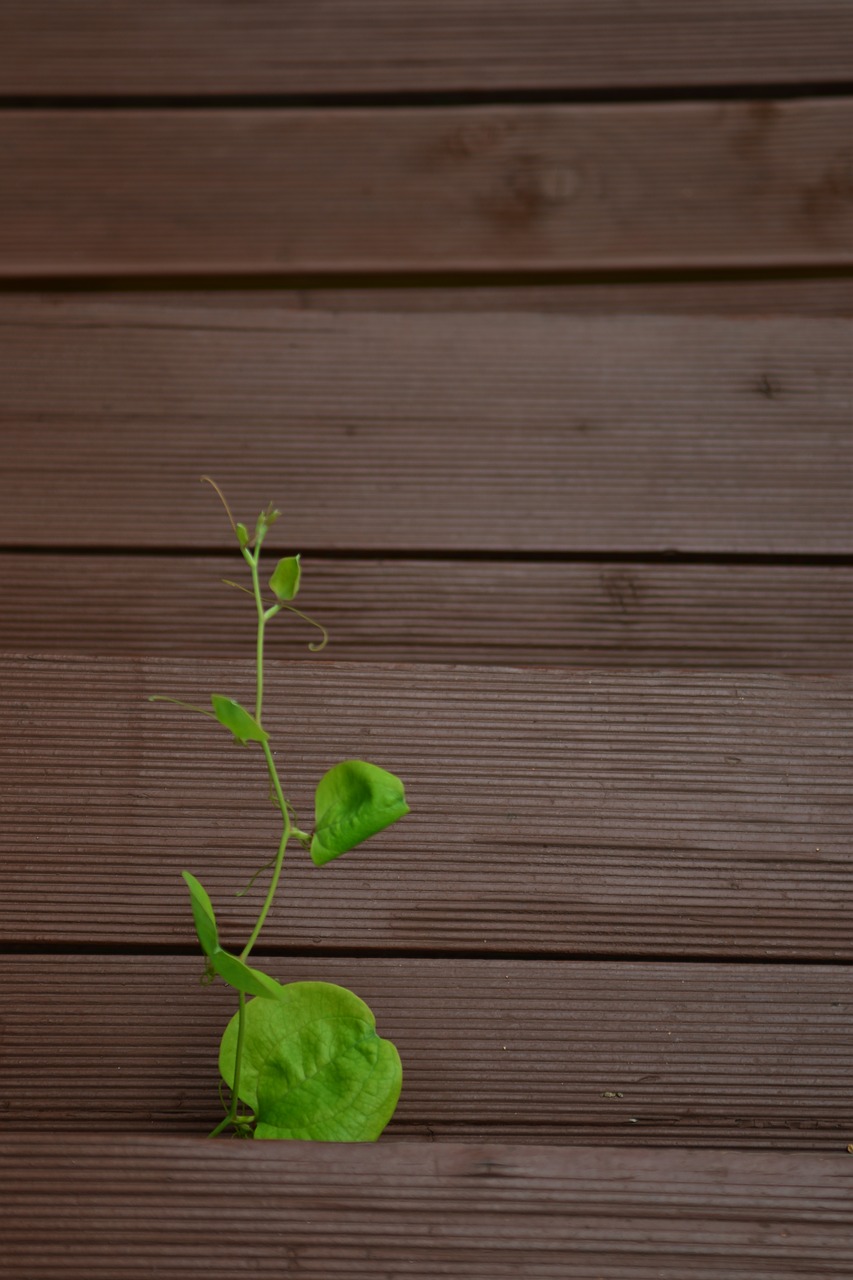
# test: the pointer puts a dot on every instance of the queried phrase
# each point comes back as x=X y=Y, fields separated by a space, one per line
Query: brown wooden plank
x=732 y=617
x=67 y=47
x=555 y=812
x=178 y=1207
x=549 y=187
x=540 y=1051
x=426 y=432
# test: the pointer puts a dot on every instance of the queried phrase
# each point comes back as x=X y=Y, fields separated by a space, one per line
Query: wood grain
x=430 y=432
x=557 y=812
x=67 y=47
x=179 y=1207
x=548 y=187
x=621 y=614
x=750 y=1056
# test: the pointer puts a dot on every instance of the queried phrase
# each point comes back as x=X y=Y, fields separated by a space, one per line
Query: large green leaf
x=337 y=1081
x=313 y=1065
x=285 y=579
x=354 y=800
x=236 y=718
x=202 y=909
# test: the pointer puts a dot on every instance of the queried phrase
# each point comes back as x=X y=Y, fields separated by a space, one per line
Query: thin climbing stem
x=252 y=559
x=316 y=646
x=222 y=499
x=262 y=621
x=238 y=1063
x=279 y=861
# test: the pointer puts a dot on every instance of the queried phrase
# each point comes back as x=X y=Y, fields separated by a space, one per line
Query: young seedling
x=301 y=1060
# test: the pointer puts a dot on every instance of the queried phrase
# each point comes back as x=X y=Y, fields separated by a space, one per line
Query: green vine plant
x=301 y=1060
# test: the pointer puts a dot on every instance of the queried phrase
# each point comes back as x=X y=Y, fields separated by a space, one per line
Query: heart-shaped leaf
x=337 y=1081
x=244 y=727
x=313 y=1065
x=285 y=579
x=353 y=801
x=202 y=909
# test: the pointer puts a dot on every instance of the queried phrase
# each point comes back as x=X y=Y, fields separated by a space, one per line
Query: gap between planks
x=791 y=292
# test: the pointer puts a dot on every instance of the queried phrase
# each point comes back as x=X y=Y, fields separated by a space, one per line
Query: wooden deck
x=537 y=321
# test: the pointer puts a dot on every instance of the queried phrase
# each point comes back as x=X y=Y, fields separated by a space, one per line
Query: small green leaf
x=354 y=800
x=235 y=972
x=313 y=1065
x=202 y=909
x=243 y=978
x=236 y=718
x=285 y=579
x=242 y=535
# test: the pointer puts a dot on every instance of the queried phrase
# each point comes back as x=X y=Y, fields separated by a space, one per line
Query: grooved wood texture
x=562 y=938
x=118 y=47
x=426 y=432
x=598 y=1052
x=610 y=614
x=557 y=812
x=546 y=187
x=446 y=1210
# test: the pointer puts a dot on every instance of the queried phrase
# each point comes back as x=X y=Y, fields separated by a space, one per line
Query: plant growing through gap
x=301 y=1060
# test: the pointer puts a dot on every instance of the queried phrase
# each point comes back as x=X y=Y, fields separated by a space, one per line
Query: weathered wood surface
x=557 y=812
x=69 y=47
x=561 y=819
x=599 y=1052
x=426 y=432
x=178 y=1208
x=625 y=614
x=546 y=187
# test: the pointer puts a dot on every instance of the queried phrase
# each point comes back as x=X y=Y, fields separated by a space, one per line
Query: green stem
x=252 y=560
x=279 y=861
x=262 y=621
x=253 y=937
x=238 y=1063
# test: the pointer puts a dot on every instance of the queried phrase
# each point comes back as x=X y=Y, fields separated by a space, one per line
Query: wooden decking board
x=547 y=187
x=563 y=937
x=597 y=1052
x=190 y=1207
x=553 y=811
x=427 y=432
x=64 y=47
x=795 y=619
